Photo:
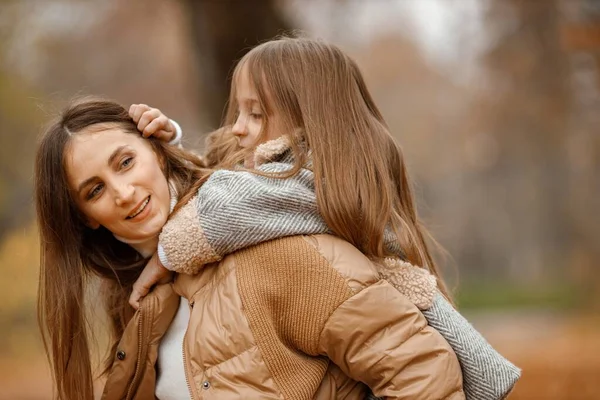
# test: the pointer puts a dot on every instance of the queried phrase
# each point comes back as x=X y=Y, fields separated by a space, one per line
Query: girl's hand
x=152 y=274
x=152 y=122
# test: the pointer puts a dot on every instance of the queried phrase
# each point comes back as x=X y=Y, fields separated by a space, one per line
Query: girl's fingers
x=166 y=136
x=136 y=111
x=134 y=300
x=156 y=127
x=146 y=118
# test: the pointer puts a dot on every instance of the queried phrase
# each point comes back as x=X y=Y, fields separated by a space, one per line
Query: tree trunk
x=223 y=32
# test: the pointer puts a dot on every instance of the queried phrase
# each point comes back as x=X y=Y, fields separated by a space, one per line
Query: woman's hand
x=152 y=274
x=152 y=122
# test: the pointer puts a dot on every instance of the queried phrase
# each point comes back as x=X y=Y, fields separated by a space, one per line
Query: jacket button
x=205 y=385
x=121 y=355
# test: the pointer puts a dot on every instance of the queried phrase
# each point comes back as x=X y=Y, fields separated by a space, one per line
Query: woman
x=269 y=321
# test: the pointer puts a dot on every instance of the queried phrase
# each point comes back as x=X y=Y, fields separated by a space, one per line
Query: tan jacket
x=303 y=317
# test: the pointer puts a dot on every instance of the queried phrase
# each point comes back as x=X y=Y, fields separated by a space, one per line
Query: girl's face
x=118 y=182
x=249 y=123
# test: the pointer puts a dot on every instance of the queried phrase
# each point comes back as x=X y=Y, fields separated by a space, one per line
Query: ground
x=559 y=355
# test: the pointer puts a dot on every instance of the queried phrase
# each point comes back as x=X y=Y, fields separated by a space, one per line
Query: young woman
x=324 y=161
x=269 y=321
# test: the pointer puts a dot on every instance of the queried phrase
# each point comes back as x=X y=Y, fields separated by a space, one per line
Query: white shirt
x=170 y=379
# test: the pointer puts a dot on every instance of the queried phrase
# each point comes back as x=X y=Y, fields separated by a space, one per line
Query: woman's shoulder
x=308 y=258
x=356 y=268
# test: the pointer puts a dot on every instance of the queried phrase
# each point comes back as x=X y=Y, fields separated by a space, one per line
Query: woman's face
x=118 y=182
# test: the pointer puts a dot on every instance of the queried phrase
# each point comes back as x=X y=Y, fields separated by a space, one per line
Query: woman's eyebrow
x=115 y=154
x=83 y=184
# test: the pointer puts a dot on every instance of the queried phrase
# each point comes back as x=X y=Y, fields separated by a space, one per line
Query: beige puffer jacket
x=294 y=318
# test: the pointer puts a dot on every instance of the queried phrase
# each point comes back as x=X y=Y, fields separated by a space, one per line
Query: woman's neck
x=145 y=247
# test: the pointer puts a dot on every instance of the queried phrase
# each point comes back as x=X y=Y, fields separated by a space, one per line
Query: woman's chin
x=145 y=232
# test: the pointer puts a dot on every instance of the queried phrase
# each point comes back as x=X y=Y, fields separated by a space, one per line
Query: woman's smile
x=141 y=211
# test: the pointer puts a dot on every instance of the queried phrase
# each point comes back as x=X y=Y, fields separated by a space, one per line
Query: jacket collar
x=271 y=150
x=133 y=368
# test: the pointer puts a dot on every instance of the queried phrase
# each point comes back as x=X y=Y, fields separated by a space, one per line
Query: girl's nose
x=239 y=128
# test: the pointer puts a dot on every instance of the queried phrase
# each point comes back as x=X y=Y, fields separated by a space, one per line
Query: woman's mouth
x=139 y=209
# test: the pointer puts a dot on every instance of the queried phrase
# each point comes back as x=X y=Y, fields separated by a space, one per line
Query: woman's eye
x=126 y=162
x=95 y=191
x=256 y=115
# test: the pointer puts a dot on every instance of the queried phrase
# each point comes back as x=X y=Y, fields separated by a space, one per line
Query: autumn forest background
x=495 y=102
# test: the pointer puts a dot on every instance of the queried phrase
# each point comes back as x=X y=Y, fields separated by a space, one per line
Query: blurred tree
x=580 y=37
x=17 y=135
x=223 y=32
x=525 y=114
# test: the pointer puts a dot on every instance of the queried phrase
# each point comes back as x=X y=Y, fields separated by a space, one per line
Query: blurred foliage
x=505 y=295
x=20 y=121
x=19 y=258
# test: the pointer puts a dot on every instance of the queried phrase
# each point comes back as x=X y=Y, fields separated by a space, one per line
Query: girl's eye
x=126 y=162
x=95 y=191
x=256 y=115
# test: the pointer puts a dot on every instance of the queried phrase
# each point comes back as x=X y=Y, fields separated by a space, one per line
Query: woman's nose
x=124 y=194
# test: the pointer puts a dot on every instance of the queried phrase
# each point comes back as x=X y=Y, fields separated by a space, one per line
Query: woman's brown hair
x=361 y=181
x=71 y=251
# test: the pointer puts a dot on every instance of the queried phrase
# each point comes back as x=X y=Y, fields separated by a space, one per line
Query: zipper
x=185 y=368
x=185 y=364
x=145 y=315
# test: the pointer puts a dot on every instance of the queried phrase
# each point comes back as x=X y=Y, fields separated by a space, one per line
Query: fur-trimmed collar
x=270 y=150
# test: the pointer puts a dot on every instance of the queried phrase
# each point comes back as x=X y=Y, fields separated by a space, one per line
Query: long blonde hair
x=361 y=181
x=71 y=251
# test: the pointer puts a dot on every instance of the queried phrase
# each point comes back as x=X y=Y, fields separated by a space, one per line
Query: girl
x=325 y=162
x=269 y=321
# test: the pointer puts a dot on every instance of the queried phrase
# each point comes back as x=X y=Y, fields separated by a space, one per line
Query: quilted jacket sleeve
x=390 y=348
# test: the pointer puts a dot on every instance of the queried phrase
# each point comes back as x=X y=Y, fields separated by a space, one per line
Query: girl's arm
x=487 y=375
x=238 y=209
x=152 y=274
